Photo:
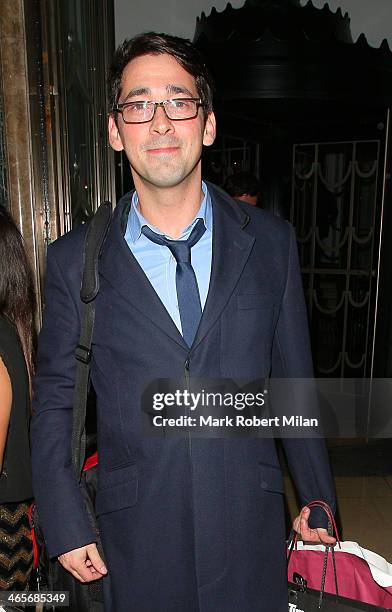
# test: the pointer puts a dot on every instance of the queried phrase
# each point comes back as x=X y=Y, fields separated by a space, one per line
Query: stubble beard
x=165 y=174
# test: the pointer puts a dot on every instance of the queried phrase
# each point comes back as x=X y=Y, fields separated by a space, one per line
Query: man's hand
x=84 y=563
x=315 y=536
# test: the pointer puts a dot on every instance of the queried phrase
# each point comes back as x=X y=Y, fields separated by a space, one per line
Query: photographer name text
x=236 y=421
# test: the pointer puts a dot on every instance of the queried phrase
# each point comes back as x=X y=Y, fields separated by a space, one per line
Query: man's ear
x=114 y=134
x=209 y=130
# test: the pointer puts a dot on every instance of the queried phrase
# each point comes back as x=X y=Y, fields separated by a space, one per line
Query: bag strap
x=94 y=241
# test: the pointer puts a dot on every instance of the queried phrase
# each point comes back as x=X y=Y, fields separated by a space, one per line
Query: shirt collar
x=136 y=220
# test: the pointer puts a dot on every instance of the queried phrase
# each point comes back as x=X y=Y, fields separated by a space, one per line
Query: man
x=187 y=524
x=243 y=186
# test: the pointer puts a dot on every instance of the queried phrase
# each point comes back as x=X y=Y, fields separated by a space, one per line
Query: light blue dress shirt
x=158 y=262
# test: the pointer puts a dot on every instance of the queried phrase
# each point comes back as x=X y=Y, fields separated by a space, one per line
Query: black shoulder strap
x=95 y=238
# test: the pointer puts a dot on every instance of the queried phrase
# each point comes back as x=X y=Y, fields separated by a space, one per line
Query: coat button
x=264 y=484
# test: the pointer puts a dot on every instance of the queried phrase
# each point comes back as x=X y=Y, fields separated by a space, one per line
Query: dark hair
x=17 y=298
x=151 y=43
x=242 y=183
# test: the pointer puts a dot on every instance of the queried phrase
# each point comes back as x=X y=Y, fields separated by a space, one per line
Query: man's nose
x=160 y=123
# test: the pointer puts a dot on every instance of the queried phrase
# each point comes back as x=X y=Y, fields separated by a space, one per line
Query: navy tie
x=187 y=290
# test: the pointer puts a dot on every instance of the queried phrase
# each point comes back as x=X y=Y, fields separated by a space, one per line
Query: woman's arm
x=5 y=407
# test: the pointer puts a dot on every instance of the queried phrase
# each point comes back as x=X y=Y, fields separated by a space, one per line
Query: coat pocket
x=271 y=479
x=248 y=301
x=117 y=497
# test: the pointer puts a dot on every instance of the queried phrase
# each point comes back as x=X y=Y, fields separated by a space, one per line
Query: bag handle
x=332 y=530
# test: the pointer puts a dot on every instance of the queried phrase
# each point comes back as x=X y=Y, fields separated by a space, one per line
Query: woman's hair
x=17 y=298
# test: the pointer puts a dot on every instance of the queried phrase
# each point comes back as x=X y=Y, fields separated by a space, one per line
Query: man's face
x=161 y=152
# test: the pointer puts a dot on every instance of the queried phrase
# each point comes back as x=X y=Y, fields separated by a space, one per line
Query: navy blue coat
x=186 y=526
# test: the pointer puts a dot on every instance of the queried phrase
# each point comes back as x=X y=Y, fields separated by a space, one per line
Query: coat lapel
x=231 y=247
x=121 y=269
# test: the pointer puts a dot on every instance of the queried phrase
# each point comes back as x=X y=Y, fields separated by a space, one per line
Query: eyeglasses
x=144 y=110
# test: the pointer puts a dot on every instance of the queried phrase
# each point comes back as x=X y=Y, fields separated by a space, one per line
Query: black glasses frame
x=120 y=107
